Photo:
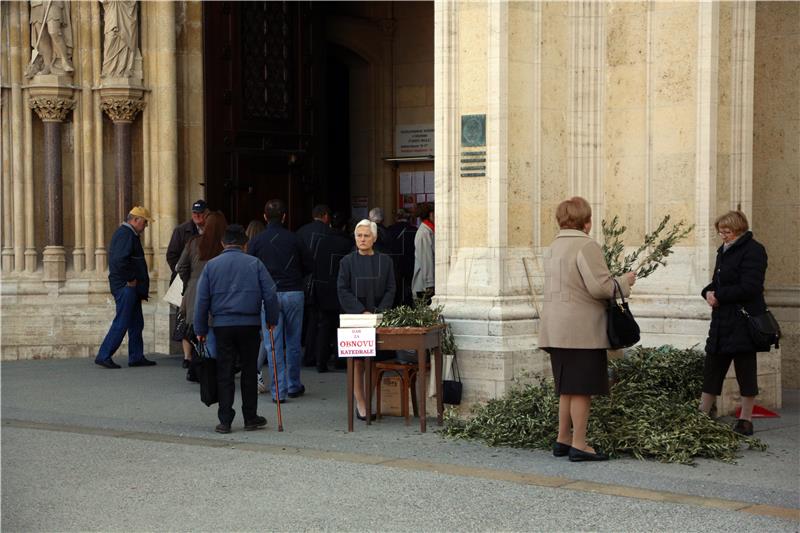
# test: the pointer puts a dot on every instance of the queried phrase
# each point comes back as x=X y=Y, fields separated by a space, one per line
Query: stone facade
x=644 y=108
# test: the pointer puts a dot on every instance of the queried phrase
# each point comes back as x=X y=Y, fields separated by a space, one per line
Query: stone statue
x=51 y=38
x=121 y=55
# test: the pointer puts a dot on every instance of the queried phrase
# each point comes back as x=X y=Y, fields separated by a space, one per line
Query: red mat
x=759 y=412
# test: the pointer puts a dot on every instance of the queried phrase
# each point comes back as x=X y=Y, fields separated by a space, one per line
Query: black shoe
x=576 y=455
x=743 y=427
x=323 y=369
x=298 y=393
x=560 y=449
x=256 y=423
x=276 y=401
x=142 y=362
x=358 y=415
x=108 y=363
x=223 y=428
x=186 y=363
x=191 y=375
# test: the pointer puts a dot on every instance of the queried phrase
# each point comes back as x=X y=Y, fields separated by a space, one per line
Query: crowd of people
x=250 y=291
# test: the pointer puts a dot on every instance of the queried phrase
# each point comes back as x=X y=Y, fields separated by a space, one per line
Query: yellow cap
x=142 y=212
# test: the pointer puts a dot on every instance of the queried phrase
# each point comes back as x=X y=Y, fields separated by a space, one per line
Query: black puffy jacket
x=738 y=282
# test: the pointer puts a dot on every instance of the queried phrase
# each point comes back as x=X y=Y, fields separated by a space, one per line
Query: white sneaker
x=262 y=388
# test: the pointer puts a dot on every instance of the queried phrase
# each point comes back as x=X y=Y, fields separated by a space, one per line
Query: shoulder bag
x=206 y=373
x=622 y=329
x=452 y=388
x=764 y=330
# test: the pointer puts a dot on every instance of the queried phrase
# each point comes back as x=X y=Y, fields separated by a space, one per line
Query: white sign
x=414 y=140
x=356 y=342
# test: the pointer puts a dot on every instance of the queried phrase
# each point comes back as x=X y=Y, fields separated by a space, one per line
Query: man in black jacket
x=184 y=232
x=310 y=234
x=401 y=248
x=288 y=261
x=331 y=247
x=130 y=284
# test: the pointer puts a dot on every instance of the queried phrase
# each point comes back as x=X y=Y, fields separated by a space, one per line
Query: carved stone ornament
x=51 y=38
x=122 y=109
x=51 y=109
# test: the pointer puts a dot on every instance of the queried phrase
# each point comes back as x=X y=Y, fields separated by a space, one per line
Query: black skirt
x=578 y=371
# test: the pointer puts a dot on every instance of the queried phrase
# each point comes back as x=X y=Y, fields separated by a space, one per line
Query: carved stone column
x=122 y=102
x=52 y=103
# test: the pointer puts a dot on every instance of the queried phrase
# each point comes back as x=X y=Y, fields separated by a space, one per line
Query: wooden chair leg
x=377 y=380
x=412 y=386
x=404 y=397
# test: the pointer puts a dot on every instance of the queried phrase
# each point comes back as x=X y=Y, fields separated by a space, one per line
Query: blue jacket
x=285 y=256
x=233 y=287
x=126 y=262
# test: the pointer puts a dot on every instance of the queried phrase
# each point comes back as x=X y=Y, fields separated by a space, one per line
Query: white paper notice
x=356 y=342
x=406 y=183
x=419 y=182
x=430 y=186
x=421 y=198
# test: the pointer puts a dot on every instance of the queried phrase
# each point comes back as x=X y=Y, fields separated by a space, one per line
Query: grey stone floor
x=85 y=448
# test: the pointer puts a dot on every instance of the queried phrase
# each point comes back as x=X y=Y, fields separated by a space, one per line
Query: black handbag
x=452 y=388
x=622 y=329
x=764 y=330
x=181 y=326
x=206 y=374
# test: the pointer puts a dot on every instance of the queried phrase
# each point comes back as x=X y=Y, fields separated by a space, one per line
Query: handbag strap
x=616 y=288
x=454 y=366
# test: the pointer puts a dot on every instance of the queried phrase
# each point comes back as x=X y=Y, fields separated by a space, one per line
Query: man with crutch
x=231 y=292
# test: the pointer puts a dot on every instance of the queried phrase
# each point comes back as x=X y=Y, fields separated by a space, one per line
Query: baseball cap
x=139 y=211
x=199 y=206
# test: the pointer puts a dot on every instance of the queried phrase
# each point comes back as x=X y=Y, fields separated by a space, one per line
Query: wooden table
x=419 y=340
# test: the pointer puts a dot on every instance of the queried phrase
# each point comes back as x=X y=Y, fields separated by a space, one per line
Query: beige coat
x=576 y=289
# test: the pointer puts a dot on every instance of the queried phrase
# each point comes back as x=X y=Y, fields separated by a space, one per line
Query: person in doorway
x=288 y=261
x=234 y=289
x=180 y=236
x=422 y=284
x=737 y=284
x=382 y=244
x=331 y=248
x=576 y=289
x=310 y=234
x=130 y=284
x=401 y=247
x=365 y=285
x=198 y=251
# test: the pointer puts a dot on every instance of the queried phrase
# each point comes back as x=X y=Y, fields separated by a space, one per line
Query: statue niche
x=121 y=55
x=51 y=38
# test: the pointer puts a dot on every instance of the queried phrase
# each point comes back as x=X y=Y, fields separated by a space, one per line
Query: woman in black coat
x=738 y=283
x=365 y=285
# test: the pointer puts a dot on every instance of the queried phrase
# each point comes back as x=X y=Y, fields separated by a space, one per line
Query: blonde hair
x=373 y=228
x=574 y=213
x=734 y=221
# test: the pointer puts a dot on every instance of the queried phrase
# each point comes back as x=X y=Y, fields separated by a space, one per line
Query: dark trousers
x=128 y=319
x=237 y=344
x=309 y=334
x=326 y=323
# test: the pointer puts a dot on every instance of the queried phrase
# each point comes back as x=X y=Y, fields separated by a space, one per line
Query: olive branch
x=656 y=248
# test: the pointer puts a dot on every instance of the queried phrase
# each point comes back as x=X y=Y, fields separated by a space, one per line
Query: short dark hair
x=234 y=235
x=274 y=209
x=424 y=210
x=320 y=210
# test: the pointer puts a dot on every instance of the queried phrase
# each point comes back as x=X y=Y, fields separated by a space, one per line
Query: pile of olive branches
x=656 y=246
x=650 y=413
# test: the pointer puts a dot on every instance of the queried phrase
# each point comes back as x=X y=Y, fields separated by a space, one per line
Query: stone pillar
x=122 y=101
x=51 y=98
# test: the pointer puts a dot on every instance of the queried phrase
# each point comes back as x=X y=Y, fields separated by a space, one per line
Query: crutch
x=275 y=375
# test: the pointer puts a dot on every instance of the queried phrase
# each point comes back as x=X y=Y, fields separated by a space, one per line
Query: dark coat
x=331 y=248
x=362 y=288
x=738 y=282
x=180 y=236
x=311 y=233
x=287 y=259
x=126 y=262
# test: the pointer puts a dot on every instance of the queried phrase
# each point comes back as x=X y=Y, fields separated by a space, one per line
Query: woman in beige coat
x=573 y=324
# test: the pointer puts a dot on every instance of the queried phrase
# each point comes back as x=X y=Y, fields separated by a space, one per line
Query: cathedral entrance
x=300 y=102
